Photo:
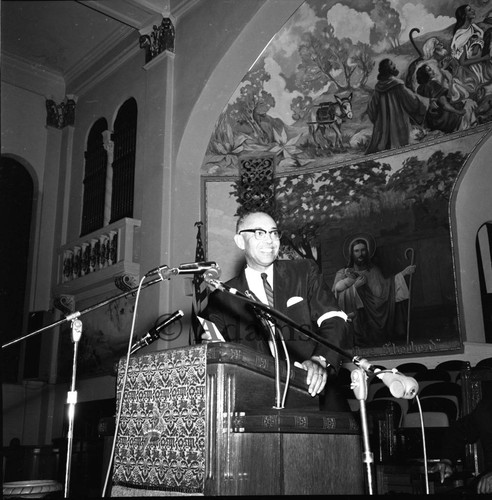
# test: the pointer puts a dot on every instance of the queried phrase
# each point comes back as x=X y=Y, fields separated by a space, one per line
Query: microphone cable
x=424 y=446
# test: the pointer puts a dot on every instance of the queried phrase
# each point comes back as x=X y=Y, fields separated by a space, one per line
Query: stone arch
x=470 y=207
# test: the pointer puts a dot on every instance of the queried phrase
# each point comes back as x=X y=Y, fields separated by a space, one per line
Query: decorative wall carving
x=256 y=189
x=60 y=115
x=159 y=40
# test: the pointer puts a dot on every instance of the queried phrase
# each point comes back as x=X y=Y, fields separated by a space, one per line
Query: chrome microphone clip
x=158 y=270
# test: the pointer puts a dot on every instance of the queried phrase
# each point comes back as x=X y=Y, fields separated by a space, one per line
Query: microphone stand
x=270 y=328
x=76 y=335
x=72 y=401
x=76 y=314
x=359 y=386
x=358 y=376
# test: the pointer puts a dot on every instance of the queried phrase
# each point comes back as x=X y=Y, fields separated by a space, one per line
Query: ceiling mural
x=346 y=80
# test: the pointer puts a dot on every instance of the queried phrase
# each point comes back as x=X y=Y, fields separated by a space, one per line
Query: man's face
x=259 y=254
x=359 y=253
x=440 y=49
x=393 y=70
x=430 y=71
x=470 y=13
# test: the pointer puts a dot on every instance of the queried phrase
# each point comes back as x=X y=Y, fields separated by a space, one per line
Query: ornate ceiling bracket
x=60 y=115
x=160 y=39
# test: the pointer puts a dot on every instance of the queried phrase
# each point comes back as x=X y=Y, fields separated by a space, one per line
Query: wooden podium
x=250 y=448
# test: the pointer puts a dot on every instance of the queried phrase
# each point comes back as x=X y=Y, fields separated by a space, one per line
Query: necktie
x=269 y=294
x=268 y=289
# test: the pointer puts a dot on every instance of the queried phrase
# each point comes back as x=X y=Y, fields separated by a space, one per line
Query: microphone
x=157 y=270
x=218 y=285
x=153 y=334
x=196 y=267
x=400 y=386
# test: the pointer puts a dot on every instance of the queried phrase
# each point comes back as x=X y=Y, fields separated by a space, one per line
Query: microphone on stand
x=218 y=285
x=153 y=334
x=400 y=386
x=196 y=267
x=156 y=270
x=189 y=268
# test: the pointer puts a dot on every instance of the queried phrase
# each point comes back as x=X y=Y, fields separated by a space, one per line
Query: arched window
x=16 y=202
x=96 y=163
x=124 y=139
x=484 y=259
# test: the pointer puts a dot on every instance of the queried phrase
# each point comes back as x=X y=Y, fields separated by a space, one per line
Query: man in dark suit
x=299 y=292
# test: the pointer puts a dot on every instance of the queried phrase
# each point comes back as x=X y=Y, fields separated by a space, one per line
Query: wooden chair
x=484 y=363
x=383 y=406
x=447 y=390
x=433 y=374
x=453 y=364
x=437 y=404
x=383 y=395
x=474 y=383
x=431 y=419
x=411 y=369
x=382 y=392
x=453 y=367
x=384 y=416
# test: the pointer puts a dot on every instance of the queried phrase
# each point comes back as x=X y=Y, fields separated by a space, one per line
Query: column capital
x=160 y=39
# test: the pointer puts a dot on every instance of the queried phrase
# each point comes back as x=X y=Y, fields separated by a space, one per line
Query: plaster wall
x=471 y=207
x=24 y=115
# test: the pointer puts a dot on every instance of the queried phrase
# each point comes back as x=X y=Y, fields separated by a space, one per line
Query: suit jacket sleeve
x=333 y=329
x=302 y=279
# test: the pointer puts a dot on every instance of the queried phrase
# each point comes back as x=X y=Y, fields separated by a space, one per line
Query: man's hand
x=408 y=270
x=316 y=376
x=444 y=468
x=485 y=483
x=360 y=281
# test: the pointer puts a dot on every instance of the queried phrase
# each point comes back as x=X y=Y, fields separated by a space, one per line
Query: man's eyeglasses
x=260 y=234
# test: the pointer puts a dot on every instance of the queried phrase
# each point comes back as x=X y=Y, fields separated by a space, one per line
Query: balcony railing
x=89 y=266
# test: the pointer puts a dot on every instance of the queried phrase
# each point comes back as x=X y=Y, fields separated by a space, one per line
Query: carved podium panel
x=200 y=420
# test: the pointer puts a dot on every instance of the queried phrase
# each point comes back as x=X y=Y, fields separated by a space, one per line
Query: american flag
x=200 y=289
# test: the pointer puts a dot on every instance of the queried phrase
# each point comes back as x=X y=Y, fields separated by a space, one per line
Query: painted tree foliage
x=307 y=204
x=328 y=62
x=274 y=108
x=387 y=24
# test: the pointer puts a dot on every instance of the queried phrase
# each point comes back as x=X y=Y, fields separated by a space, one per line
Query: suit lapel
x=280 y=293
